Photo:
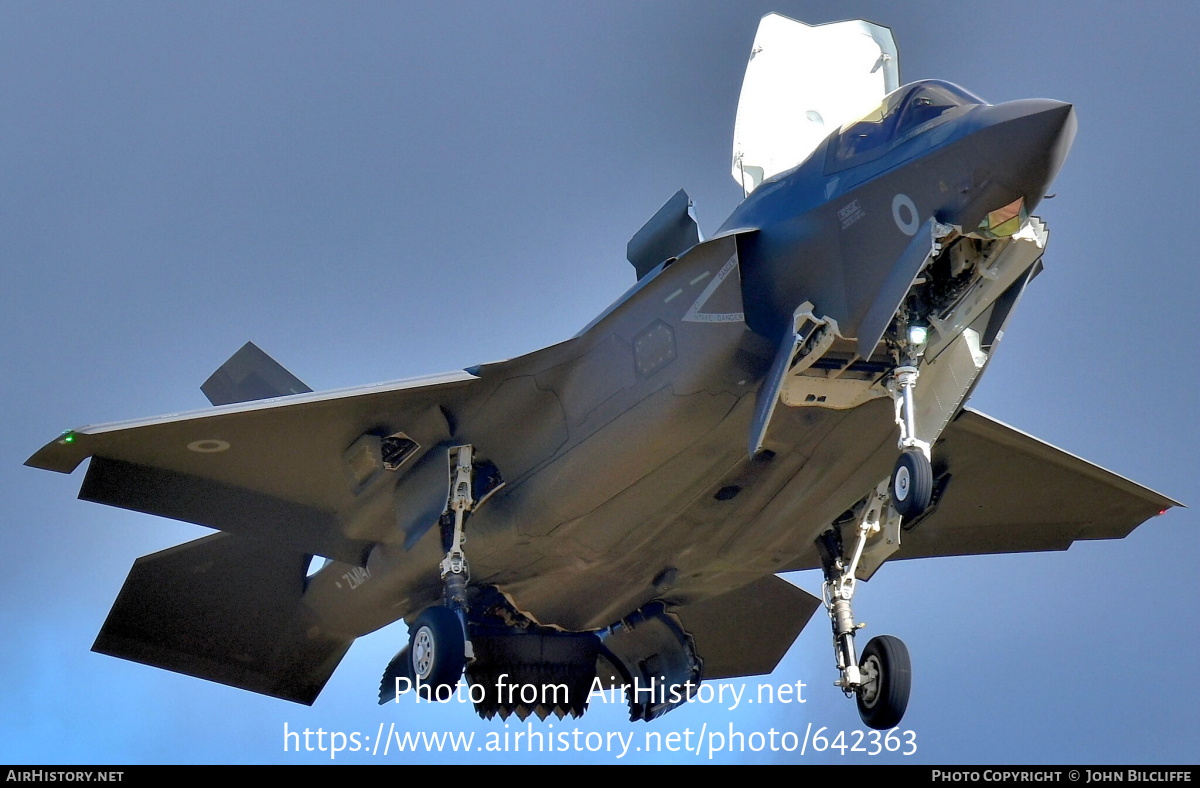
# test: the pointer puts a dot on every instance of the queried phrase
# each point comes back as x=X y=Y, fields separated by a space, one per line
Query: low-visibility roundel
x=904 y=212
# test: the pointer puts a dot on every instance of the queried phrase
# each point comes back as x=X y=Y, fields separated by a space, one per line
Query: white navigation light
x=917 y=334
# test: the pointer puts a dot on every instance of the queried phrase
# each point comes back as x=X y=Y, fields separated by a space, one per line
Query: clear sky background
x=380 y=190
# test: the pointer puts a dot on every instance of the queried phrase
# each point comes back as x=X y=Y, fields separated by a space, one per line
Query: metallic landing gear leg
x=912 y=478
x=438 y=645
x=881 y=682
x=455 y=571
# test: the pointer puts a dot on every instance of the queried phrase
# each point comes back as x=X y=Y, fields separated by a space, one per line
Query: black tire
x=887 y=682
x=437 y=650
x=912 y=484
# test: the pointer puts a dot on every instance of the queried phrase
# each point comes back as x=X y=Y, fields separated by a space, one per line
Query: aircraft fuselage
x=630 y=473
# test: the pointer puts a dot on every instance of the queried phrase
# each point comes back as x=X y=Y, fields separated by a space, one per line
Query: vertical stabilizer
x=251 y=374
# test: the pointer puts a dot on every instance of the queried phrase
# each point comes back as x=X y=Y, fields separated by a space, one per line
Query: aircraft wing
x=283 y=478
x=1009 y=492
x=279 y=469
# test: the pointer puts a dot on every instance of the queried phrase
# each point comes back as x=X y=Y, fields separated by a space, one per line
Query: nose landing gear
x=912 y=478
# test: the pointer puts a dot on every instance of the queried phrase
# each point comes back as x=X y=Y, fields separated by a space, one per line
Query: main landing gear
x=512 y=664
x=886 y=682
x=438 y=645
x=882 y=679
x=437 y=649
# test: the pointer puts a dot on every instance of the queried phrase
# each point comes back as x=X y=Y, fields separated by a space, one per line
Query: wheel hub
x=868 y=693
x=423 y=653
x=903 y=480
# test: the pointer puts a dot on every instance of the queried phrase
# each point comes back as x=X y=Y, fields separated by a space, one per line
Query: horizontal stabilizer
x=227 y=609
x=669 y=233
x=1009 y=492
x=250 y=374
x=731 y=631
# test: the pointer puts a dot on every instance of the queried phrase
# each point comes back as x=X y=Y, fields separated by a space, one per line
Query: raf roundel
x=905 y=214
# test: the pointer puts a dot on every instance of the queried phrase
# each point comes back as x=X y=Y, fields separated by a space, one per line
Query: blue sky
x=376 y=191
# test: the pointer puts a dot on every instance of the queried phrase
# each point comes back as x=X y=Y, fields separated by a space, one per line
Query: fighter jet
x=615 y=509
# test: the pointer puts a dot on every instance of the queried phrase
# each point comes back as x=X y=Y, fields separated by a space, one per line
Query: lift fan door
x=802 y=83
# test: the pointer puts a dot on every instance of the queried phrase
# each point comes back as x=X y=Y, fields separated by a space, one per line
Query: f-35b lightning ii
x=785 y=394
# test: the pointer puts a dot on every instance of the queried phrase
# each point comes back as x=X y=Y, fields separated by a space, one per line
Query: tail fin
x=250 y=374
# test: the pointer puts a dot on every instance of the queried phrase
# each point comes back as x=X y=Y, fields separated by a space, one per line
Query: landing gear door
x=421 y=495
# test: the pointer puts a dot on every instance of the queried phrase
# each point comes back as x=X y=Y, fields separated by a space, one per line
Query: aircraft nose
x=1030 y=140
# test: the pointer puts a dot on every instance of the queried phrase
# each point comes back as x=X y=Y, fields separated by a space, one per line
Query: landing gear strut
x=912 y=478
x=882 y=680
x=438 y=645
x=455 y=571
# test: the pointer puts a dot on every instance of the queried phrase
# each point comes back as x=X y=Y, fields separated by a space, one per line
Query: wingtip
x=62 y=455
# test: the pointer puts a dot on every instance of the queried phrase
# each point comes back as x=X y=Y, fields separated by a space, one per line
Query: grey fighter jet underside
x=788 y=394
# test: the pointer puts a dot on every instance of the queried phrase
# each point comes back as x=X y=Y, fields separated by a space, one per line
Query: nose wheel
x=886 y=682
x=912 y=483
x=911 y=487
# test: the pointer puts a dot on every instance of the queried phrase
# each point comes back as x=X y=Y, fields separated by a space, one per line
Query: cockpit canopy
x=903 y=114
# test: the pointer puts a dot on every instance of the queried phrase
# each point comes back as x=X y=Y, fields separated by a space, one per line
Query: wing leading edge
x=1009 y=492
x=274 y=468
x=275 y=476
